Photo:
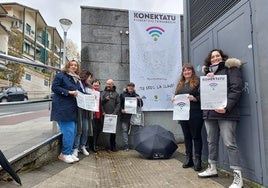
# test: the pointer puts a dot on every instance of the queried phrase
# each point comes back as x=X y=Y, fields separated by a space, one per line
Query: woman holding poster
x=84 y=118
x=223 y=121
x=189 y=84
x=64 y=107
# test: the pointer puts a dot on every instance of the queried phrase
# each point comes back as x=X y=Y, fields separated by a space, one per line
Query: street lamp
x=65 y=24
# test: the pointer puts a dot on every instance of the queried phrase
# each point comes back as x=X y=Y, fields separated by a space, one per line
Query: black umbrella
x=7 y=167
x=155 y=142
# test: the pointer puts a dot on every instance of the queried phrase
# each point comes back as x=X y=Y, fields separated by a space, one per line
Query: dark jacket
x=126 y=117
x=195 y=109
x=111 y=105
x=231 y=68
x=64 y=105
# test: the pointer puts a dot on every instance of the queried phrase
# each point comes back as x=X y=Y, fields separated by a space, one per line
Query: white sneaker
x=66 y=158
x=211 y=171
x=74 y=158
x=75 y=153
x=238 y=181
x=84 y=151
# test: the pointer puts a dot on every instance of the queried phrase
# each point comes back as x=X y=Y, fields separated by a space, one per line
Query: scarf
x=74 y=75
x=213 y=68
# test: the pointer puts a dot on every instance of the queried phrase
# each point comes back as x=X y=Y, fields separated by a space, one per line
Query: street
x=22 y=125
x=22 y=107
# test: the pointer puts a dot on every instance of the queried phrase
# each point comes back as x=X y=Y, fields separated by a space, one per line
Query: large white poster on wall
x=155 y=57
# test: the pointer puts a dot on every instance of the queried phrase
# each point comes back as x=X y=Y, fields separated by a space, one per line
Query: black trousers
x=97 y=129
x=112 y=141
x=192 y=135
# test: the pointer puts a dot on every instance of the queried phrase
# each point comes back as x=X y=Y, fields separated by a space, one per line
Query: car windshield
x=2 y=89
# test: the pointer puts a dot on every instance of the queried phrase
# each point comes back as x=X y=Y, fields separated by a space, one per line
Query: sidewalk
x=116 y=169
x=22 y=131
x=105 y=169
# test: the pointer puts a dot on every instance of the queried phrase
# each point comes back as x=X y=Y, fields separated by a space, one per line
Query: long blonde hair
x=194 y=81
x=67 y=65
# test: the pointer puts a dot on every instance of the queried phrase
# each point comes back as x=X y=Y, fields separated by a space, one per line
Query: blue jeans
x=67 y=129
x=125 y=127
x=227 y=130
x=81 y=139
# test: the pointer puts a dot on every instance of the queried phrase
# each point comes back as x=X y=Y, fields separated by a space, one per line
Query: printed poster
x=155 y=57
x=88 y=101
x=181 y=107
x=131 y=105
x=213 y=92
x=109 y=123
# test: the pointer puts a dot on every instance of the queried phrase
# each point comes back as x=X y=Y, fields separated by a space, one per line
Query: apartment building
x=40 y=43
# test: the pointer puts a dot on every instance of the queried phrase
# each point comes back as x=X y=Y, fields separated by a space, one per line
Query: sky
x=53 y=10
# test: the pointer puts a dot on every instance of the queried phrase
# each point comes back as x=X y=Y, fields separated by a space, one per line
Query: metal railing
x=27 y=62
x=8 y=58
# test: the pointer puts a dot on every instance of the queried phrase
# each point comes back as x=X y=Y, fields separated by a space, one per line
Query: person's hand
x=210 y=74
x=74 y=93
x=220 y=110
x=107 y=98
x=172 y=99
x=123 y=111
x=138 y=97
x=192 y=98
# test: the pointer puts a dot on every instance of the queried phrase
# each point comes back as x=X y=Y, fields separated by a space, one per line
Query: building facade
x=239 y=28
x=25 y=28
x=105 y=52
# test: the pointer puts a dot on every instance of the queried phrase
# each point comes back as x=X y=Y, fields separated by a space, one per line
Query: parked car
x=9 y=94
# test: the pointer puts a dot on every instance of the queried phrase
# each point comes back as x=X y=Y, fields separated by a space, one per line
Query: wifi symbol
x=181 y=104
x=155 y=32
x=213 y=85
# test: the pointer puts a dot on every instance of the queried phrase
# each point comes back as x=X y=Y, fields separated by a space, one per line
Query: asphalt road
x=16 y=108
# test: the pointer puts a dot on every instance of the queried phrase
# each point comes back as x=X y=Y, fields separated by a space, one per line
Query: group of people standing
x=77 y=125
x=219 y=122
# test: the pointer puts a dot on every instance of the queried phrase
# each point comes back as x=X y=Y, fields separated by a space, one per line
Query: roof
x=23 y=6
x=31 y=9
x=3 y=10
x=3 y=28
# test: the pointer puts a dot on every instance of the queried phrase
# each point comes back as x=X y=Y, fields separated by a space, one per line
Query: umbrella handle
x=129 y=129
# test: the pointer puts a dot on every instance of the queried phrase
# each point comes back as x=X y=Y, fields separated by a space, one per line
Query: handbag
x=138 y=118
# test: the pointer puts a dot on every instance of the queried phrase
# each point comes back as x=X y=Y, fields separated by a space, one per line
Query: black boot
x=197 y=163
x=188 y=162
x=94 y=147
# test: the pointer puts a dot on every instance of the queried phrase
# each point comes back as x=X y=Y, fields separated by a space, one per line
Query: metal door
x=232 y=34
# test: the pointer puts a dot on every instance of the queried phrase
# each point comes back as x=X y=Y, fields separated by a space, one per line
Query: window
x=20 y=90
x=15 y=24
x=12 y=90
x=27 y=48
x=205 y=13
x=28 y=77
x=45 y=83
x=28 y=29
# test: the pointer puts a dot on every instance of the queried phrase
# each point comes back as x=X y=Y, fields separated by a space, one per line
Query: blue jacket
x=64 y=105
